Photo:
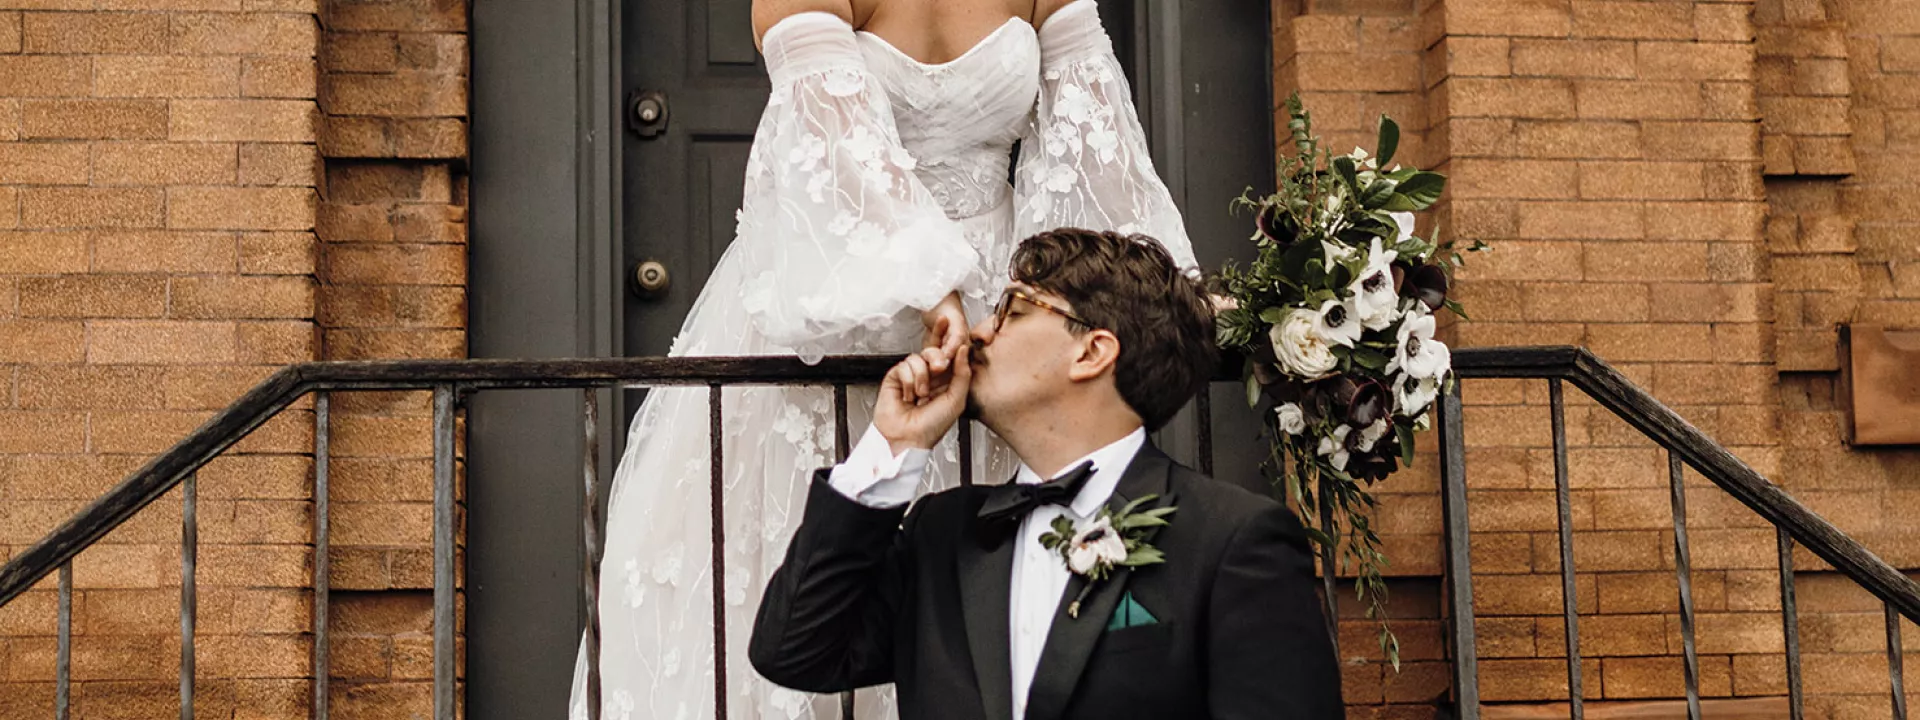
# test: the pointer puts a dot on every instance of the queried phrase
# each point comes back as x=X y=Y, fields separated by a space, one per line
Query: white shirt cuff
x=873 y=476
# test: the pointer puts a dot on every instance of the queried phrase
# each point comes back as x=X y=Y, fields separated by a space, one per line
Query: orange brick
x=1744 y=302
x=209 y=298
x=371 y=344
x=1804 y=115
x=382 y=523
x=1512 y=511
x=1695 y=61
x=1661 y=677
x=279 y=164
x=294 y=34
x=79 y=387
x=1495 y=595
x=173 y=5
x=1714 y=22
x=1576 y=220
x=1614 y=635
x=1468 y=137
x=277 y=253
x=43 y=163
x=139 y=432
x=91 y=207
x=166 y=76
x=1642 y=180
x=210 y=387
x=258 y=566
x=277 y=342
x=425 y=223
x=279 y=78
x=1529 y=679
x=1823 y=156
x=1821 y=76
x=9 y=119
x=1573 y=58
x=1633 y=20
x=9 y=32
x=433 y=138
x=1517 y=18
x=1531 y=179
x=43 y=252
x=1638 y=99
x=428 y=94
x=1586 y=302
x=122 y=296
x=1817 y=272
x=28 y=341
x=1502 y=554
x=1522 y=260
x=396 y=264
x=160 y=341
x=44 y=76
x=1702 y=140
x=94 y=119
x=162 y=163
x=1521 y=98
x=1652 y=342
x=240 y=208
x=448 y=51
x=160 y=251
x=95 y=33
x=1579 y=139
x=42 y=431
x=244 y=120
x=404 y=15
x=373 y=52
x=1722 y=221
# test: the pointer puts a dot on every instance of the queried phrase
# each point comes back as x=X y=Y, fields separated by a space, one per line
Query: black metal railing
x=451 y=380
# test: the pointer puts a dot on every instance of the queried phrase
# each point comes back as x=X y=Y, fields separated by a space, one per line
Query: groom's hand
x=917 y=405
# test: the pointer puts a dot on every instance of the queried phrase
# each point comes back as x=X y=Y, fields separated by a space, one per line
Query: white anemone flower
x=1300 y=350
x=1371 y=435
x=1334 y=447
x=1374 y=300
x=1418 y=354
x=1338 y=323
x=1412 y=396
x=1096 y=544
x=1404 y=222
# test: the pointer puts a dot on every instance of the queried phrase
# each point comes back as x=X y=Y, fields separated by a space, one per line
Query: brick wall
x=158 y=170
x=1688 y=189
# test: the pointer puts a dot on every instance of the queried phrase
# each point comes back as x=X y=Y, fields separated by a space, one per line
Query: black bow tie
x=1008 y=504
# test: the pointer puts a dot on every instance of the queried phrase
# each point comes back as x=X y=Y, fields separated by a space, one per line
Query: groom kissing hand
x=1104 y=581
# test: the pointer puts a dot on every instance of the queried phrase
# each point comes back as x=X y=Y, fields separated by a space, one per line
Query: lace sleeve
x=1084 y=162
x=837 y=235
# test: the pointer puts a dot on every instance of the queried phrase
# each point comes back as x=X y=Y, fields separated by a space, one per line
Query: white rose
x=1374 y=301
x=1095 y=544
x=1293 y=420
x=1371 y=434
x=1418 y=354
x=1334 y=447
x=1301 y=351
x=1338 y=323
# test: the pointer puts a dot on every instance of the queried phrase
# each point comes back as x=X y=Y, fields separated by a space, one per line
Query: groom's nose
x=983 y=332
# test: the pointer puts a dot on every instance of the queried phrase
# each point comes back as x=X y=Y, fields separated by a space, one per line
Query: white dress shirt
x=872 y=476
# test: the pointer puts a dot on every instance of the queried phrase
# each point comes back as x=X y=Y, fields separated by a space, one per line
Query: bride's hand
x=946 y=330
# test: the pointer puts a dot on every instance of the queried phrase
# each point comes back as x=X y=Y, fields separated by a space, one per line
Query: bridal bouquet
x=1335 y=316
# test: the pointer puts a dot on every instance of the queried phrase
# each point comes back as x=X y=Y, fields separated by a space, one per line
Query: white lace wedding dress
x=876 y=185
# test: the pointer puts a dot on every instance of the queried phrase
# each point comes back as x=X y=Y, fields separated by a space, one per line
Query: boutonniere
x=1110 y=540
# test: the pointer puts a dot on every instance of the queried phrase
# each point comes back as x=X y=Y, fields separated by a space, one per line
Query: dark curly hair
x=1130 y=285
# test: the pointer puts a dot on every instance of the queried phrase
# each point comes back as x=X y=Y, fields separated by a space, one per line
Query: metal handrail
x=449 y=379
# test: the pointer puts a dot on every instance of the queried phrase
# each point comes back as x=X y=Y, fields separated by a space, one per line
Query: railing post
x=63 y=646
x=1569 y=597
x=1790 y=625
x=590 y=540
x=189 y=603
x=443 y=554
x=322 y=541
x=1682 y=568
x=1459 y=566
x=716 y=436
x=1894 y=663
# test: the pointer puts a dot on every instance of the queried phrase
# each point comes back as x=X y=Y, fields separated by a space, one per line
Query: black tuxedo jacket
x=862 y=599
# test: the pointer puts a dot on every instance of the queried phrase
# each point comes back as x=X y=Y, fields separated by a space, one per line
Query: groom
x=1098 y=339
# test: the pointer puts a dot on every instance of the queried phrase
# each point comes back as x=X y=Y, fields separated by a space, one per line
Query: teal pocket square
x=1129 y=613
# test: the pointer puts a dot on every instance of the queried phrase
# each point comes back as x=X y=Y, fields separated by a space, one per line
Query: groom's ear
x=1099 y=351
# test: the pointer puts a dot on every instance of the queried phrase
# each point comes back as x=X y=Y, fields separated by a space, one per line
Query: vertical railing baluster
x=1459 y=565
x=1894 y=663
x=1790 y=625
x=443 y=550
x=189 y=604
x=1329 y=574
x=1203 y=408
x=590 y=540
x=1569 y=599
x=1682 y=569
x=63 y=646
x=716 y=458
x=322 y=458
x=842 y=442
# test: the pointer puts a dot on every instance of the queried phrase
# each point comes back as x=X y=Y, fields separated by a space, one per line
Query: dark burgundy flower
x=1429 y=286
x=1370 y=402
x=1370 y=466
x=1271 y=221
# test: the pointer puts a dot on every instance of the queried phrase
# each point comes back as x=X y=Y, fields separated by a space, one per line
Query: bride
x=877 y=217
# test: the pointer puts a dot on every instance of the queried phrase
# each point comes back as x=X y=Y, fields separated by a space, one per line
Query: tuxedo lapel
x=986 y=581
x=1071 y=639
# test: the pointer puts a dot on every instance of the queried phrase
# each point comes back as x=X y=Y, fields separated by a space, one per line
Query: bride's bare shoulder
x=1043 y=9
x=767 y=13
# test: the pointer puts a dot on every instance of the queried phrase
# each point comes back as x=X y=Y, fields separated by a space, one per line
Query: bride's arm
x=841 y=247
x=1084 y=162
